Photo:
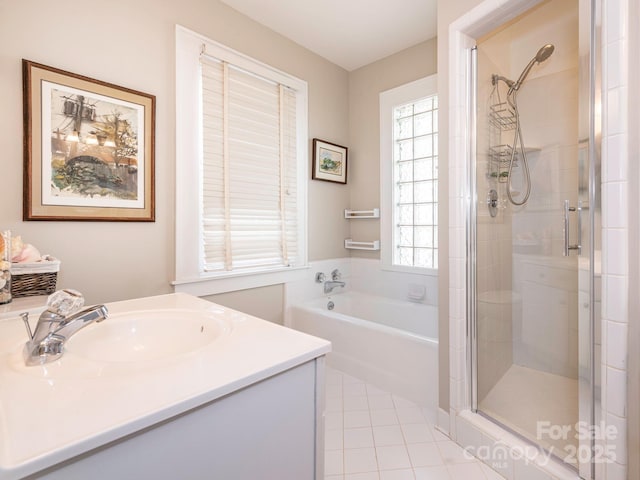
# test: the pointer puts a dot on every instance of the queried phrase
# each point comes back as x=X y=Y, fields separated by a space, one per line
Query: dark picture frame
x=329 y=162
x=89 y=148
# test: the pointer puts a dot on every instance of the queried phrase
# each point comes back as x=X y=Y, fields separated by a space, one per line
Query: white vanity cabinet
x=243 y=404
x=268 y=430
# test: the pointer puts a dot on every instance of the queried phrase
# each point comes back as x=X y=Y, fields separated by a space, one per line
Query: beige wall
x=132 y=44
x=365 y=85
x=266 y=303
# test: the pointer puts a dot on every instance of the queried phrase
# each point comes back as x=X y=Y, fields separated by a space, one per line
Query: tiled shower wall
x=615 y=232
x=615 y=222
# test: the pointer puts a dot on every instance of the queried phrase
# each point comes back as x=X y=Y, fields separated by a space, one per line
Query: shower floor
x=524 y=396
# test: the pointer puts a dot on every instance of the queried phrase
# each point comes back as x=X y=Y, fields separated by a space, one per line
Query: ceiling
x=349 y=33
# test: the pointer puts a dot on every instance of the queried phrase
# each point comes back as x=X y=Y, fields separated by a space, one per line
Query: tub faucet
x=331 y=284
x=61 y=319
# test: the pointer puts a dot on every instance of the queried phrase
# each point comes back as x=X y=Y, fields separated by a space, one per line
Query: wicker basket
x=37 y=278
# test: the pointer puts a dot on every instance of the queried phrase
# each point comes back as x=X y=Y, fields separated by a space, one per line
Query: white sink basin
x=147 y=335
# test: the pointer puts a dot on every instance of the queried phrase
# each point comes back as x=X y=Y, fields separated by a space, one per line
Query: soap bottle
x=5 y=268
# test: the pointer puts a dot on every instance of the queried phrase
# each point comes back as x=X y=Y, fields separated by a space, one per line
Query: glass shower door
x=534 y=260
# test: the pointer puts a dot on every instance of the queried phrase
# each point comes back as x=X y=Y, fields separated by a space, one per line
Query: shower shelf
x=500 y=157
x=373 y=213
x=502 y=116
x=351 y=245
x=501 y=154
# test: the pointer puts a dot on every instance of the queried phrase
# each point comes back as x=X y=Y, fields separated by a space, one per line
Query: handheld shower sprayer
x=542 y=55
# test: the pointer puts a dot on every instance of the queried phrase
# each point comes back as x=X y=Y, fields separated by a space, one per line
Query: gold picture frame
x=329 y=162
x=89 y=148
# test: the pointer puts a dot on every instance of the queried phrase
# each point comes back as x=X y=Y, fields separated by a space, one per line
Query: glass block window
x=415 y=180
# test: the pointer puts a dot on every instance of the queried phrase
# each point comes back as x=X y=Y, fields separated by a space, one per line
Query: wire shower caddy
x=502 y=118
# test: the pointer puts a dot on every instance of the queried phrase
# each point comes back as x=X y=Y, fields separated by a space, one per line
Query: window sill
x=214 y=284
x=429 y=272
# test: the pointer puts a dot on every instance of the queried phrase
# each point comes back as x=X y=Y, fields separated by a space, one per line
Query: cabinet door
x=264 y=431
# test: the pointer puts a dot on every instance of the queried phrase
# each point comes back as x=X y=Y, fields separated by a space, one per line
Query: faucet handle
x=25 y=319
x=336 y=275
x=320 y=277
x=64 y=302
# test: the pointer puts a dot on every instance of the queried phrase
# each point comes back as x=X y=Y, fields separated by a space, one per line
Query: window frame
x=189 y=275
x=390 y=99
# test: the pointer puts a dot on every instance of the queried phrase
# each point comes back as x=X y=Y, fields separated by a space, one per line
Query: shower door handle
x=578 y=245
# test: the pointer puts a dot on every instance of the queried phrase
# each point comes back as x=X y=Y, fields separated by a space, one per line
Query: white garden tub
x=389 y=343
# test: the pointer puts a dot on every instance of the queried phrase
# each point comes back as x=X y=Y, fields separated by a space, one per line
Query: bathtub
x=388 y=343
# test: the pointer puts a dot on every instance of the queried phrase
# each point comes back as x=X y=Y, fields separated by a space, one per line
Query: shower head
x=543 y=54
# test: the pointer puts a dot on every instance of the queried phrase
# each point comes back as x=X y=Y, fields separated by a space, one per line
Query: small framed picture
x=329 y=162
x=89 y=148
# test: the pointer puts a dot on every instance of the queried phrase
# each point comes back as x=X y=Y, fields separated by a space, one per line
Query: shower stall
x=534 y=247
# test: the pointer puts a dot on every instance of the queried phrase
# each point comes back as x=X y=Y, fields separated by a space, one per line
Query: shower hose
x=517 y=139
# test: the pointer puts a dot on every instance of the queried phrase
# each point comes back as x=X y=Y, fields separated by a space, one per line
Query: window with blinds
x=241 y=170
x=249 y=197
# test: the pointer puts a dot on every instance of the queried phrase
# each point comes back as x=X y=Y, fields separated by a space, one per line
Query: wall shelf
x=373 y=213
x=350 y=244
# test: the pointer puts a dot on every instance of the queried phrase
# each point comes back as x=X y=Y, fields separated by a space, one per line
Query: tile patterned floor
x=371 y=434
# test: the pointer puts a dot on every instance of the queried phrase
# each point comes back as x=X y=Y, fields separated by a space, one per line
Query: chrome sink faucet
x=61 y=319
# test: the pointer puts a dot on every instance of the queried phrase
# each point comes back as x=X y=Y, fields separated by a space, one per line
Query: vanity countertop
x=22 y=304
x=54 y=412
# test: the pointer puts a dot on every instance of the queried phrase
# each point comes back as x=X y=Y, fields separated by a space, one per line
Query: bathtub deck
x=372 y=434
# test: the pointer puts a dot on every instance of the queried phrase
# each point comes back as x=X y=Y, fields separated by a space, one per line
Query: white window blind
x=249 y=187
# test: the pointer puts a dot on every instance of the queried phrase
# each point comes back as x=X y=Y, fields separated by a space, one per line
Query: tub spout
x=330 y=285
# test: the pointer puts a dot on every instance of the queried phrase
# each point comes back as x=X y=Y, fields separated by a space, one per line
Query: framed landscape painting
x=88 y=148
x=329 y=162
